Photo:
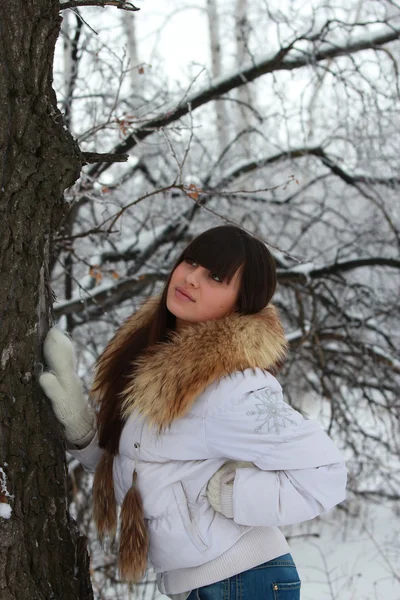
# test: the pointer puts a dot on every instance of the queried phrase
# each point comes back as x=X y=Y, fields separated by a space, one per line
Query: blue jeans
x=274 y=580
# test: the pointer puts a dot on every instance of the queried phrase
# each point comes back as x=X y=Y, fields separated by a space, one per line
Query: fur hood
x=169 y=376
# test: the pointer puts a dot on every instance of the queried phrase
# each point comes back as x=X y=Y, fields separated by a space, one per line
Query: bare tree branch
x=293 y=153
x=254 y=165
x=94 y=157
x=279 y=62
x=98 y=300
x=122 y=4
x=302 y=273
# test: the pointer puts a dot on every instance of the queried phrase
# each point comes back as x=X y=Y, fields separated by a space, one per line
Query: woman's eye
x=191 y=262
x=215 y=277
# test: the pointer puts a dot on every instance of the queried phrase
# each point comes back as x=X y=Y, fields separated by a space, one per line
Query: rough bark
x=42 y=555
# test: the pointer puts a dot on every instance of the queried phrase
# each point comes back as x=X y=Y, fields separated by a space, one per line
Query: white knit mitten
x=220 y=487
x=63 y=388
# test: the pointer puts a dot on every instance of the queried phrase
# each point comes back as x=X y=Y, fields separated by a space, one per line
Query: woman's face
x=195 y=294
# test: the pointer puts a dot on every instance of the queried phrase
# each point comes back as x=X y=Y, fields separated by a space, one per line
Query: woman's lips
x=183 y=295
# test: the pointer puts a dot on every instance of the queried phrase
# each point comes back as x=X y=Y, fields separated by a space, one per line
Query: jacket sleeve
x=279 y=498
x=88 y=456
x=298 y=474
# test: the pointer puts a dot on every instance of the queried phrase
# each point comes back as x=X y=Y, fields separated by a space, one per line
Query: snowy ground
x=357 y=559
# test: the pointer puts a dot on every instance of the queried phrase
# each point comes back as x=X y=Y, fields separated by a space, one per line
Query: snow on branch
x=288 y=60
x=253 y=165
x=317 y=151
x=94 y=299
x=350 y=265
x=309 y=271
x=122 y=4
x=105 y=296
x=302 y=336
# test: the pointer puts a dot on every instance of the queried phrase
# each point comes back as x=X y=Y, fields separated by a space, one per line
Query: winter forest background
x=280 y=116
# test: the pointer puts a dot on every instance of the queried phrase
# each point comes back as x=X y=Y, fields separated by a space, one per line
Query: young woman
x=193 y=439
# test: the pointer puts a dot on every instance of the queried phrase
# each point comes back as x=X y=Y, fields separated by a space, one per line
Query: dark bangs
x=220 y=250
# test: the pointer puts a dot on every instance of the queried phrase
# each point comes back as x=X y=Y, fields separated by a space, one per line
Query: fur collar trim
x=171 y=375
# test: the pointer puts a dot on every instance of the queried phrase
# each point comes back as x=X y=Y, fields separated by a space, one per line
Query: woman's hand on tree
x=64 y=389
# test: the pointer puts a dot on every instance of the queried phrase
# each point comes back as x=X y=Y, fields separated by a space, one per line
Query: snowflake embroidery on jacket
x=271 y=410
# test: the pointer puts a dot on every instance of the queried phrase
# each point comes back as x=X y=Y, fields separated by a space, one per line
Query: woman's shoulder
x=232 y=388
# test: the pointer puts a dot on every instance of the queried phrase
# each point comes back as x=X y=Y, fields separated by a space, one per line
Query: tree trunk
x=242 y=56
x=216 y=70
x=128 y=21
x=42 y=555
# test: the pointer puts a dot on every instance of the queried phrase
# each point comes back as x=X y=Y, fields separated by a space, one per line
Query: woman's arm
x=286 y=497
x=297 y=471
x=88 y=455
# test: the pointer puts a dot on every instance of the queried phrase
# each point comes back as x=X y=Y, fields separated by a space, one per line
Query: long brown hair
x=222 y=250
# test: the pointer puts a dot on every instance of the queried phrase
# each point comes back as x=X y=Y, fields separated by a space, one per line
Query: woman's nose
x=193 y=277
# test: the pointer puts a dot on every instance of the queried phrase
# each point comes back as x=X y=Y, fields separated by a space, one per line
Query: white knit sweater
x=255 y=547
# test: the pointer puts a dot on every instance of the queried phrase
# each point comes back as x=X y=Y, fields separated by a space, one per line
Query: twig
x=114 y=218
x=381 y=552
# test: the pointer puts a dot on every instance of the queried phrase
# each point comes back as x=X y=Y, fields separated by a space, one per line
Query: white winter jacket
x=298 y=472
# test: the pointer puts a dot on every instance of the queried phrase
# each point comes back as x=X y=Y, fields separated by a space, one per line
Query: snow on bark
x=5 y=508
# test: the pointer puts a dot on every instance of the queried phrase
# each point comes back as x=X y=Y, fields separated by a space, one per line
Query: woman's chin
x=175 y=308
x=180 y=310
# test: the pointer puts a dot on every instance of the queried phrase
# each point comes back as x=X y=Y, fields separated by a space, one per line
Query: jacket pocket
x=286 y=591
x=188 y=523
